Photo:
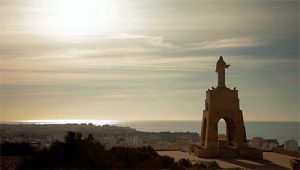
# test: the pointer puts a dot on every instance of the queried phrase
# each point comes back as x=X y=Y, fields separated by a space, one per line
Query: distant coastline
x=281 y=130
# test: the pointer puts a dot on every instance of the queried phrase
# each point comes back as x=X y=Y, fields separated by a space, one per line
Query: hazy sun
x=76 y=17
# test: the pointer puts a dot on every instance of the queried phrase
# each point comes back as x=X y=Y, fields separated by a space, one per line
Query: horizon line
x=110 y=121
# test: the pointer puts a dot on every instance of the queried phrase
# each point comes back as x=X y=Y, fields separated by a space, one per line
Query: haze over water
x=268 y=130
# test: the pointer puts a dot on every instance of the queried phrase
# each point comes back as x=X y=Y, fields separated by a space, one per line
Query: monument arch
x=229 y=133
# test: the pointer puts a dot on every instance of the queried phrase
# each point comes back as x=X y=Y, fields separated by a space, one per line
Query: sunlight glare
x=78 y=17
x=73 y=121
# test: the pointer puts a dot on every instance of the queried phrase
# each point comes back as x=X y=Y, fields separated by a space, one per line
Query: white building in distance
x=291 y=145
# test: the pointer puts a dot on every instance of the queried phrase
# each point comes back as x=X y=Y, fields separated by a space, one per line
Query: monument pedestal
x=225 y=152
x=222 y=103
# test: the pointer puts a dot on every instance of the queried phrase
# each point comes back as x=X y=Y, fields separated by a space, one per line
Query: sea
x=281 y=131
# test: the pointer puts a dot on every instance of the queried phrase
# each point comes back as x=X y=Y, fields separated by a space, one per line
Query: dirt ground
x=271 y=160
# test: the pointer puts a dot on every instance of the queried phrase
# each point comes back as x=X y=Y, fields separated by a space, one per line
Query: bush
x=78 y=152
x=84 y=153
x=198 y=166
x=16 y=149
x=213 y=165
x=184 y=163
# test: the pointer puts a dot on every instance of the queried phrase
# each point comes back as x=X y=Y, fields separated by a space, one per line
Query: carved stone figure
x=220 y=69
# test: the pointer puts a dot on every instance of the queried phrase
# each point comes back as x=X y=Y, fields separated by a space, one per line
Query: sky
x=146 y=60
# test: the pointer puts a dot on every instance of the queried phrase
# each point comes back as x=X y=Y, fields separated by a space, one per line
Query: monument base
x=225 y=152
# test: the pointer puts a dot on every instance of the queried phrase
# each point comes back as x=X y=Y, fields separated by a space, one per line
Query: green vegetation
x=16 y=149
x=78 y=152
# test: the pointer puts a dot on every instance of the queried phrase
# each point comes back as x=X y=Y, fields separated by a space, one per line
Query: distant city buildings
x=264 y=144
x=42 y=136
x=269 y=144
x=291 y=145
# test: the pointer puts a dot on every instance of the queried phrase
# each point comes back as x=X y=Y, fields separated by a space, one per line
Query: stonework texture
x=223 y=103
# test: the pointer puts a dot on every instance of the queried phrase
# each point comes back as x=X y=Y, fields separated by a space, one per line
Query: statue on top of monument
x=220 y=69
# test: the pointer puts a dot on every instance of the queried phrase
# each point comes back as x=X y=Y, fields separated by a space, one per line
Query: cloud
x=230 y=43
x=155 y=41
x=48 y=78
x=119 y=45
x=77 y=66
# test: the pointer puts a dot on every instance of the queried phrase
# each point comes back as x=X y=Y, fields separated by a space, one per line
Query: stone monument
x=223 y=103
